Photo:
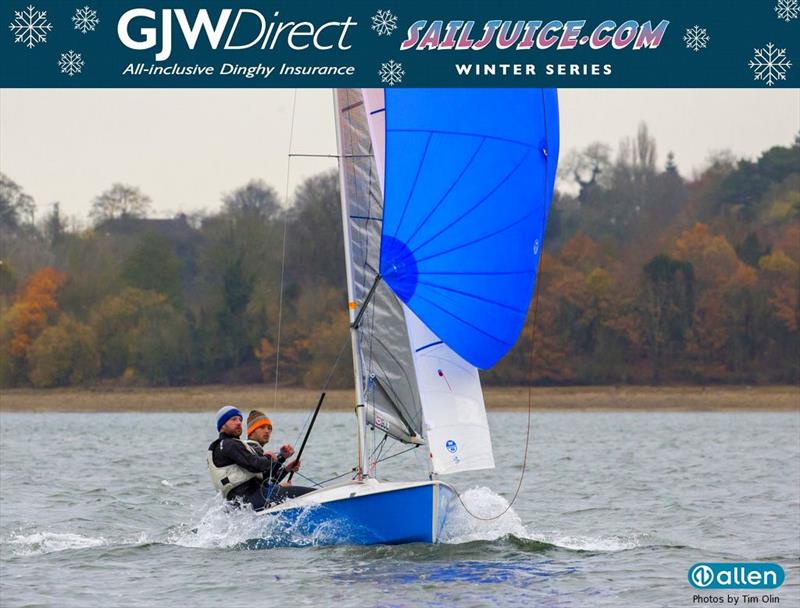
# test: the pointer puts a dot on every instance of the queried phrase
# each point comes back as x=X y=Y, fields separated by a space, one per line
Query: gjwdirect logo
x=141 y=28
x=743 y=575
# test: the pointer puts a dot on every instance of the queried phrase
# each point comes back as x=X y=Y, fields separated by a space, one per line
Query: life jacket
x=257 y=448
x=231 y=476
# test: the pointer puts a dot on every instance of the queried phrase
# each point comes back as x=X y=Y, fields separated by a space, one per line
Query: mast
x=361 y=424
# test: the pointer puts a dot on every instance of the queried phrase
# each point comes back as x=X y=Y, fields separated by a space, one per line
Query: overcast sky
x=185 y=148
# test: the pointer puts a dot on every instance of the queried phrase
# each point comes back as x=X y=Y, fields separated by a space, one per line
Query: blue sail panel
x=468 y=182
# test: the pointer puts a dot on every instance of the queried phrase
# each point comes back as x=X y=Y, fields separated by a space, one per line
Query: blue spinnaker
x=468 y=181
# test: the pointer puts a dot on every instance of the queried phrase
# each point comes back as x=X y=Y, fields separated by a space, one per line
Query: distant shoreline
x=597 y=398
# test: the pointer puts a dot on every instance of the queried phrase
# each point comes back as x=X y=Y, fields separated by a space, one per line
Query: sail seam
x=477 y=272
x=421 y=348
x=474 y=296
x=464 y=321
x=456 y=181
x=414 y=184
x=465 y=133
x=470 y=210
x=483 y=237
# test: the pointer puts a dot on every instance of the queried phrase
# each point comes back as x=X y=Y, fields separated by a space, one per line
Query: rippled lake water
x=118 y=510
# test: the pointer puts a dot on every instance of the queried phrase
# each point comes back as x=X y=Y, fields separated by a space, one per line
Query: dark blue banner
x=175 y=43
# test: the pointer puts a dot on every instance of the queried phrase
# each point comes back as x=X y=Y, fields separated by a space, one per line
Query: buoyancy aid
x=256 y=447
x=231 y=476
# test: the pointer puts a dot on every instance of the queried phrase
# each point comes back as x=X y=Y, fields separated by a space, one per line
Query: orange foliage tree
x=34 y=308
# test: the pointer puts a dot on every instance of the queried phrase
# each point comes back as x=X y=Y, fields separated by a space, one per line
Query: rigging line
x=299 y=155
x=379 y=449
x=533 y=337
x=316 y=483
x=353 y=470
x=324 y=385
x=528 y=425
x=283 y=251
x=321 y=483
x=385 y=458
x=303 y=155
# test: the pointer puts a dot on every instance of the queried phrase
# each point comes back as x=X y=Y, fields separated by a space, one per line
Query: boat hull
x=368 y=513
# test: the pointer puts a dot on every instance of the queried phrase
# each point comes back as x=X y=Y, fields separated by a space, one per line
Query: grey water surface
x=117 y=510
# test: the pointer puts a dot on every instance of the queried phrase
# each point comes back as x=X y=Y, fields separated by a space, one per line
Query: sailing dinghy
x=445 y=195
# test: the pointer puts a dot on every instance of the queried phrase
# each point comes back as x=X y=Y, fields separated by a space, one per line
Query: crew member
x=236 y=469
x=259 y=431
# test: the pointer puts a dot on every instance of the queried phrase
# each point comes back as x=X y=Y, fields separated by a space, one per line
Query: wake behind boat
x=444 y=195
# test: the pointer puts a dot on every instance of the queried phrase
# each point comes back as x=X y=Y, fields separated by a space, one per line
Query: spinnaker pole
x=361 y=419
x=308 y=431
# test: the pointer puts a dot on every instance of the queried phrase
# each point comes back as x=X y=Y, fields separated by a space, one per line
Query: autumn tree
x=35 y=306
x=116 y=322
x=667 y=304
x=64 y=354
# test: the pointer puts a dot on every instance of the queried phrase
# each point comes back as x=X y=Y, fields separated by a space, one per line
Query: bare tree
x=255 y=200
x=587 y=168
x=16 y=207
x=118 y=201
x=644 y=151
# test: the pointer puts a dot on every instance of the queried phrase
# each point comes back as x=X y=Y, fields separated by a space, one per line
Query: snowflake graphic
x=384 y=22
x=787 y=10
x=769 y=64
x=696 y=38
x=391 y=72
x=85 y=19
x=71 y=63
x=30 y=26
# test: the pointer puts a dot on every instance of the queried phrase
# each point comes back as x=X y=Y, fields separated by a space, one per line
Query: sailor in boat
x=259 y=431
x=236 y=469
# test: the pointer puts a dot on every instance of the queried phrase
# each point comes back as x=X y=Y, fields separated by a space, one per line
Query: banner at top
x=235 y=43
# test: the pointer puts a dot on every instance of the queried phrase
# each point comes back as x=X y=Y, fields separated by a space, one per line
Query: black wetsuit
x=227 y=450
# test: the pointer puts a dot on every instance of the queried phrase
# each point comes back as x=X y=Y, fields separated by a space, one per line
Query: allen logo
x=741 y=575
